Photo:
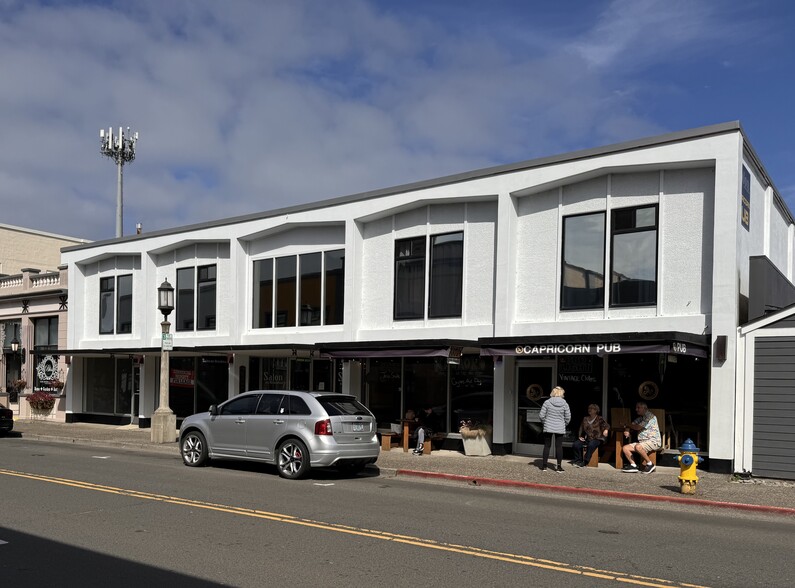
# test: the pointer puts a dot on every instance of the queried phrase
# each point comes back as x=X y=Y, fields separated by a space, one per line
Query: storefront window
x=472 y=391
x=285 y=291
x=383 y=380
x=676 y=384
x=100 y=385
x=581 y=377
x=425 y=384
x=181 y=381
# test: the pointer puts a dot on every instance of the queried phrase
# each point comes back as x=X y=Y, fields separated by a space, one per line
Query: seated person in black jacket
x=428 y=422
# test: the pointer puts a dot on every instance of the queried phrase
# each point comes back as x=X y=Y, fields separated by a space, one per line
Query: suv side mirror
x=213 y=410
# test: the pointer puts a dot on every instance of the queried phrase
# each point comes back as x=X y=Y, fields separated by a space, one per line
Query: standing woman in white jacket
x=555 y=415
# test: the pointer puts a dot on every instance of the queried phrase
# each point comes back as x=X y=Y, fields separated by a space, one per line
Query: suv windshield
x=336 y=406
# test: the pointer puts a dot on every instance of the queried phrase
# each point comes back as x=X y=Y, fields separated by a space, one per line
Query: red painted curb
x=594 y=492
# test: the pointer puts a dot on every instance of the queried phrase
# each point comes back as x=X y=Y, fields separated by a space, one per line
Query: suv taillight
x=323 y=427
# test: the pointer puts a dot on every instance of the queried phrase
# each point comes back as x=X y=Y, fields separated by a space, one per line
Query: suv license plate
x=358 y=427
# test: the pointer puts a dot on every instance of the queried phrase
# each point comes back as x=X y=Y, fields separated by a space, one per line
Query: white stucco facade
x=512 y=222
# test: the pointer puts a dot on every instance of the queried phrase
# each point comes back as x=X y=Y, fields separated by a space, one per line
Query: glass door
x=534 y=381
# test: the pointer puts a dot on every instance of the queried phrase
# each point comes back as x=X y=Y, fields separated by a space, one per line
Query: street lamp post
x=164 y=421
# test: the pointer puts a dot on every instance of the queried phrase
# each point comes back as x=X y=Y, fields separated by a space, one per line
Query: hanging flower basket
x=41 y=401
x=19 y=385
x=57 y=385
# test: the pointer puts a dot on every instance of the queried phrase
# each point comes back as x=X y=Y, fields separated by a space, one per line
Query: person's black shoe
x=578 y=464
x=559 y=469
x=630 y=468
x=649 y=468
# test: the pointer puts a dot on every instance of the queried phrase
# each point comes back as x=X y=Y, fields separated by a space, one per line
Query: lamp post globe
x=165 y=298
x=14 y=345
x=164 y=421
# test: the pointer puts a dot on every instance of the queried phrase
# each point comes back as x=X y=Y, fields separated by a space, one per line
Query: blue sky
x=247 y=106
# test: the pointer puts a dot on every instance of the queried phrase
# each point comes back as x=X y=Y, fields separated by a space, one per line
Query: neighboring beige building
x=33 y=305
x=22 y=248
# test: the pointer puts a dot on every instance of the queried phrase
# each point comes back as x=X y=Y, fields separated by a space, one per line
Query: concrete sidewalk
x=774 y=496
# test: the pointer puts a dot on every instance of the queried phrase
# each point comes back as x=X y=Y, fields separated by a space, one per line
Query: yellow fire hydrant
x=688 y=460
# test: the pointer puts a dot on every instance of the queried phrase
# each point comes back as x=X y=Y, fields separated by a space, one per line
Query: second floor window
x=633 y=259
x=302 y=290
x=444 y=274
x=195 y=298
x=115 y=304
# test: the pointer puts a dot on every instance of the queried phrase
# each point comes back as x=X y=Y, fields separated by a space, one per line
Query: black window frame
x=116 y=294
x=196 y=298
x=617 y=216
x=272 y=276
x=409 y=252
x=185 y=299
x=600 y=298
x=107 y=314
x=445 y=305
x=124 y=304
x=206 y=301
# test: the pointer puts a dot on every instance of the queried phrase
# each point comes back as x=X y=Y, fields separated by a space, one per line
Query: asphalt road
x=80 y=516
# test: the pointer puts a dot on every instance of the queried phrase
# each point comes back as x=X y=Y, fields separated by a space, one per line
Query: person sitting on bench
x=594 y=430
x=428 y=422
x=649 y=440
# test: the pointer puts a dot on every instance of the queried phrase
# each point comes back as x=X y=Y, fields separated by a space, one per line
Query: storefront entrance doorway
x=534 y=381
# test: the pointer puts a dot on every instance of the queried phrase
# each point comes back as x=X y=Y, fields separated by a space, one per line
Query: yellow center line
x=518 y=559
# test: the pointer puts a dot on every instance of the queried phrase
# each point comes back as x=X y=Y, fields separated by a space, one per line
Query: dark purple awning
x=600 y=349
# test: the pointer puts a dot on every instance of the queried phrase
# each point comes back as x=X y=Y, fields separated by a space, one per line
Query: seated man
x=649 y=440
x=428 y=422
x=594 y=430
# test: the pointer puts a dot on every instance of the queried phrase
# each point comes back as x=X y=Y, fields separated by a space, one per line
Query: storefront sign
x=182 y=378
x=745 y=200
x=599 y=349
x=570 y=349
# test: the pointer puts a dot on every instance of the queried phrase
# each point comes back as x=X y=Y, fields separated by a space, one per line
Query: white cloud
x=247 y=106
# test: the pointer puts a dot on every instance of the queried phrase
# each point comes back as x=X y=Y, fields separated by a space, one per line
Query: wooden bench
x=387 y=440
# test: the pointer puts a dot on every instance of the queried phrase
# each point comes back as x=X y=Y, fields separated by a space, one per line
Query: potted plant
x=19 y=385
x=476 y=437
x=41 y=402
x=57 y=385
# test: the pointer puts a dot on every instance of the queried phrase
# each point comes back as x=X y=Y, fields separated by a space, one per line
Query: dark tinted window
x=298 y=406
x=634 y=250
x=263 y=293
x=185 y=296
x=206 y=297
x=409 y=278
x=447 y=271
x=124 y=307
x=583 y=261
x=335 y=405
x=106 y=302
x=242 y=405
x=270 y=404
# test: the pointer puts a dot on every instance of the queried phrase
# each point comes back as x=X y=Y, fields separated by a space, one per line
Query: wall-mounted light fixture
x=16 y=349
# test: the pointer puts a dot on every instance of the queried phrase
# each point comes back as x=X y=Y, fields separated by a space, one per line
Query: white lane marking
x=316 y=484
x=101 y=456
x=3 y=542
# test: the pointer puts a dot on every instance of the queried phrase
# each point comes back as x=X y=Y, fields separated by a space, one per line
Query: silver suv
x=294 y=430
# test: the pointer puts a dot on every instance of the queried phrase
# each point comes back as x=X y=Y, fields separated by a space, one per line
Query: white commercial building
x=474 y=294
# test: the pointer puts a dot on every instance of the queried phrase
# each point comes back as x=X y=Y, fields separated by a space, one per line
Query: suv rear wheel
x=292 y=459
